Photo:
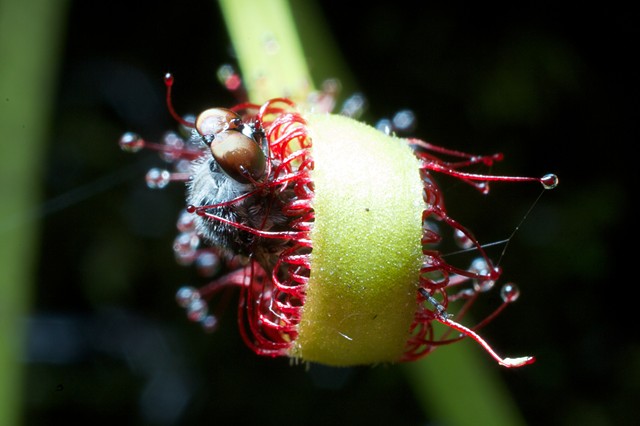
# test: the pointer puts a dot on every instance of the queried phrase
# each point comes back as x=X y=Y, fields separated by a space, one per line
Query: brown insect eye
x=215 y=120
x=239 y=156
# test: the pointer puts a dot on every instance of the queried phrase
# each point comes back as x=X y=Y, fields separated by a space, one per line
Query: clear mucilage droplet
x=174 y=145
x=185 y=247
x=131 y=142
x=480 y=267
x=354 y=106
x=197 y=310
x=549 y=181
x=462 y=240
x=158 y=178
x=384 y=125
x=186 y=295
x=208 y=264
x=509 y=292
x=229 y=78
x=185 y=242
x=186 y=222
x=404 y=120
x=209 y=323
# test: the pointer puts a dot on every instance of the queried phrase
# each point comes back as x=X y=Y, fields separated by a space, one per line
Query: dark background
x=553 y=88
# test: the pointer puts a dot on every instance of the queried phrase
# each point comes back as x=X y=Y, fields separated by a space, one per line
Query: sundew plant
x=331 y=230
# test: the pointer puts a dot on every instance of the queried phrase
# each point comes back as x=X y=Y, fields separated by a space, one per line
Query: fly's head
x=231 y=185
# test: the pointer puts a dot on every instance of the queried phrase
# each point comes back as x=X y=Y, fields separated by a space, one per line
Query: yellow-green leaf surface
x=366 y=257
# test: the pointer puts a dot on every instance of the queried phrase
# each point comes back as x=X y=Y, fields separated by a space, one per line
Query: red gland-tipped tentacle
x=506 y=362
x=271 y=301
x=491 y=316
x=492 y=274
x=471 y=158
x=479 y=177
x=480 y=181
x=438 y=277
x=294 y=282
x=168 y=82
x=267 y=331
x=286 y=166
x=509 y=295
x=237 y=278
x=132 y=142
x=253 y=299
x=271 y=305
x=286 y=235
x=195 y=209
x=268 y=108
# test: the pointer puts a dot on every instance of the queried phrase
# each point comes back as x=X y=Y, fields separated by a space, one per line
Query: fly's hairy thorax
x=244 y=204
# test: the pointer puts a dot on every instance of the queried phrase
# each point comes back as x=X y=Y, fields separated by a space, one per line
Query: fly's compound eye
x=239 y=156
x=215 y=120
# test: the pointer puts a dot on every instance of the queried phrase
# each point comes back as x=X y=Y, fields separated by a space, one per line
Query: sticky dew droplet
x=186 y=222
x=186 y=242
x=174 y=145
x=209 y=323
x=186 y=295
x=385 y=126
x=509 y=292
x=197 y=310
x=131 y=142
x=354 y=106
x=229 y=78
x=404 y=120
x=158 y=178
x=549 y=181
x=207 y=264
x=462 y=240
x=480 y=267
x=168 y=79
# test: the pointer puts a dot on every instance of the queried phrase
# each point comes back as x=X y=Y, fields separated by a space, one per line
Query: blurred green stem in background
x=30 y=40
x=267 y=48
x=454 y=385
x=458 y=384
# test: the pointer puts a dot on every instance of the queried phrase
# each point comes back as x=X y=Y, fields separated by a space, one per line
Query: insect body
x=234 y=182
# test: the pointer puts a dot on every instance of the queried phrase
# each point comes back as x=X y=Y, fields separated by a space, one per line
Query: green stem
x=29 y=42
x=458 y=385
x=268 y=49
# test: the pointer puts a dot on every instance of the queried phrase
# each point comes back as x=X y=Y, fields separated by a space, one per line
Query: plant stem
x=29 y=42
x=457 y=387
x=268 y=49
